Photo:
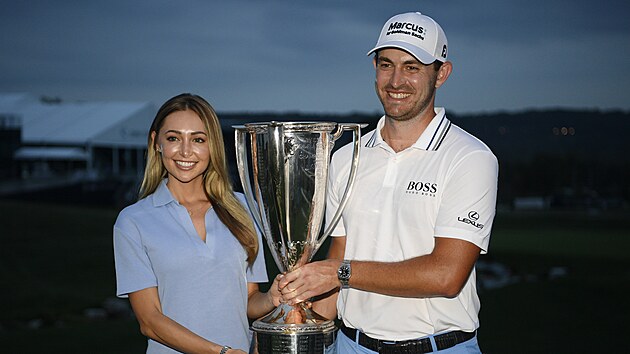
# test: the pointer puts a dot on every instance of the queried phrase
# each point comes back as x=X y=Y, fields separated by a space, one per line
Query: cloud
x=285 y=55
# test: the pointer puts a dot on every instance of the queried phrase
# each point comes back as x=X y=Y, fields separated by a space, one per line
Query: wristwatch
x=344 y=273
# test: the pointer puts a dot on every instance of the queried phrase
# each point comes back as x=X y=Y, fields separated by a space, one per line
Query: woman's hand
x=274 y=293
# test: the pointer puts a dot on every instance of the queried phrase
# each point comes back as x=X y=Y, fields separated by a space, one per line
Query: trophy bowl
x=286 y=193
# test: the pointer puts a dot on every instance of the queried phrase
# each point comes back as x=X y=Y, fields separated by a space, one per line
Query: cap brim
x=418 y=53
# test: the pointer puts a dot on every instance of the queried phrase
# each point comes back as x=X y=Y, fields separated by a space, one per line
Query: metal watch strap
x=344 y=273
x=225 y=349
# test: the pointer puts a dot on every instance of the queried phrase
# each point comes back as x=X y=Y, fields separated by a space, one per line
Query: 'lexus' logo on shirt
x=472 y=218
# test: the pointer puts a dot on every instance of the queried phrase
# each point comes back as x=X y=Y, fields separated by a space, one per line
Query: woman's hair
x=216 y=180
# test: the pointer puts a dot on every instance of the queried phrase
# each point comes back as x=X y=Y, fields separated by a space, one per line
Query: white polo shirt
x=445 y=185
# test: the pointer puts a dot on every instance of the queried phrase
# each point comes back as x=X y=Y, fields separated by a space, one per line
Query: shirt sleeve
x=133 y=266
x=468 y=202
x=257 y=273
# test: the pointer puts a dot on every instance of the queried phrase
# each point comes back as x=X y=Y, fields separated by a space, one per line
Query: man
x=403 y=255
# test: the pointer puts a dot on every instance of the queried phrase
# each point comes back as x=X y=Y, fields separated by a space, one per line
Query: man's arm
x=443 y=272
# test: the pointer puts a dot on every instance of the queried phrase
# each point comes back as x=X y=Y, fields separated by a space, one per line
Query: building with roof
x=50 y=142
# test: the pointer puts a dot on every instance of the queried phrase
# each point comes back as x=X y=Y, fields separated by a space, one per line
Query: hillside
x=574 y=157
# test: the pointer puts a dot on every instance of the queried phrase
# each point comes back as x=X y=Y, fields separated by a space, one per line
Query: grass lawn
x=56 y=261
x=584 y=311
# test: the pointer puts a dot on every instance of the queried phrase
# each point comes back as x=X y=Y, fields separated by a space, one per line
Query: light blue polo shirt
x=202 y=286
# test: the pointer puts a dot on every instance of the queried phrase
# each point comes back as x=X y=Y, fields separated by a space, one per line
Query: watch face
x=344 y=272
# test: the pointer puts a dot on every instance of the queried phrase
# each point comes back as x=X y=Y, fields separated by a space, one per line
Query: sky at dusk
x=310 y=56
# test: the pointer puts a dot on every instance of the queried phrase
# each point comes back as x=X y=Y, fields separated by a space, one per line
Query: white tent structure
x=77 y=140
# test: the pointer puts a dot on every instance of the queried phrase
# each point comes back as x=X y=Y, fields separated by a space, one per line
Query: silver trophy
x=289 y=171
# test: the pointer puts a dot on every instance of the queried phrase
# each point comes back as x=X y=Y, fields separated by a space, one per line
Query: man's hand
x=311 y=279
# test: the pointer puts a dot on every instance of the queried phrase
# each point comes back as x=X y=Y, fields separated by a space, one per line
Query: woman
x=187 y=254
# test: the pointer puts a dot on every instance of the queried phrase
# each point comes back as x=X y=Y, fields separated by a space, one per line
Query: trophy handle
x=356 y=142
x=240 y=140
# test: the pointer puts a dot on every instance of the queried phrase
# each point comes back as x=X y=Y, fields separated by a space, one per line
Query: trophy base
x=312 y=335
x=293 y=343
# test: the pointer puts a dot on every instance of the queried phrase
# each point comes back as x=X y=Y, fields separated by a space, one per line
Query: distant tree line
x=572 y=158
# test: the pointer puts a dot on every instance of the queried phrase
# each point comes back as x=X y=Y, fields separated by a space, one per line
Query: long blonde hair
x=216 y=179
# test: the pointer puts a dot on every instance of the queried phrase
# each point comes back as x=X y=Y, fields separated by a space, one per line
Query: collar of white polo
x=430 y=140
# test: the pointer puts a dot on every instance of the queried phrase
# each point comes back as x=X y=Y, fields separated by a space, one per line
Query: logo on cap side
x=407 y=28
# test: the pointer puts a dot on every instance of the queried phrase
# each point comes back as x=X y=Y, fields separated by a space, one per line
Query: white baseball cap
x=415 y=33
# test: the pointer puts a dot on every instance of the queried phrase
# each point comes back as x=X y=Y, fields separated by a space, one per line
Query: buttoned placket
x=392 y=171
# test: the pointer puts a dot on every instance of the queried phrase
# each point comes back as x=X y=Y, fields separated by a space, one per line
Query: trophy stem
x=298 y=314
